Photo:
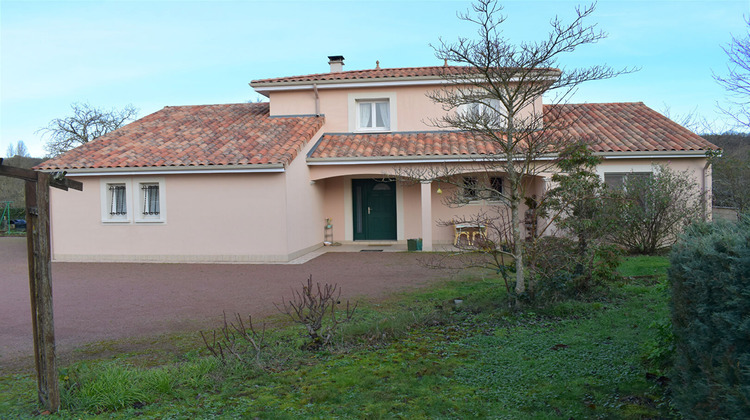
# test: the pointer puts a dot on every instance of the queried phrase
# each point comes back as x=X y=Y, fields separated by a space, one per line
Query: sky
x=153 y=54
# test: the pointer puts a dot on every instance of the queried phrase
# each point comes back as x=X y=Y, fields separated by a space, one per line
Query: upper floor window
x=373 y=115
x=487 y=111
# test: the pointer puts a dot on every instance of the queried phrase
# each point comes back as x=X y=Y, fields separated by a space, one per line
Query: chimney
x=336 y=62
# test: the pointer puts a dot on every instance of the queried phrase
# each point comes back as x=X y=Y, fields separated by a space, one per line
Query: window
x=489 y=110
x=496 y=186
x=373 y=115
x=618 y=180
x=117 y=201
x=133 y=199
x=150 y=195
x=471 y=191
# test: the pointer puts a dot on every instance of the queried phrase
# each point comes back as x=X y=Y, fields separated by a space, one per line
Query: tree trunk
x=517 y=244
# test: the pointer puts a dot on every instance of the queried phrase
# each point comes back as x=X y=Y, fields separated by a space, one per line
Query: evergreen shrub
x=710 y=282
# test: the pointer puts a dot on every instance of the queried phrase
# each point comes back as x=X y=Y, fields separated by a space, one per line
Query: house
x=258 y=181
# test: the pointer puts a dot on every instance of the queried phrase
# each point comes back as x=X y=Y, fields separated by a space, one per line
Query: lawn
x=416 y=355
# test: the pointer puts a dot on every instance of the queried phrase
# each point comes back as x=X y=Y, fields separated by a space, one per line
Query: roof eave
x=172 y=170
x=409 y=159
x=264 y=88
x=360 y=160
x=655 y=154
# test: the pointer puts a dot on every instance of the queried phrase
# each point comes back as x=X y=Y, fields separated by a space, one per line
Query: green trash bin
x=411 y=245
x=419 y=244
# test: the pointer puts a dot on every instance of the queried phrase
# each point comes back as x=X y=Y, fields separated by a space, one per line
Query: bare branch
x=495 y=94
x=315 y=308
x=737 y=79
x=86 y=124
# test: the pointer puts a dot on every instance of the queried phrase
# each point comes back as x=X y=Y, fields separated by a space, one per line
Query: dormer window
x=373 y=115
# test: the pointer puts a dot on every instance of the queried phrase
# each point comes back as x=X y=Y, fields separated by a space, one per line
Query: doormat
x=370 y=250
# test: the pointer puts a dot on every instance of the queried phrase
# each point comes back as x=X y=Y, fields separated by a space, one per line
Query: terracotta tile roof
x=393 y=73
x=628 y=127
x=203 y=135
x=617 y=127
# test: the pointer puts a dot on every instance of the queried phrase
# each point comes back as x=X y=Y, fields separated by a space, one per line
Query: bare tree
x=86 y=124
x=498 y=99
x=19 y=150
x=737 y=79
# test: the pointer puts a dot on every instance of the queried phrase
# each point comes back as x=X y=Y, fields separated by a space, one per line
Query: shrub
x=580 y=205
x=316 y=308
x=561 y=271
x=710 y=281
x=654 y=209
x=238 y=339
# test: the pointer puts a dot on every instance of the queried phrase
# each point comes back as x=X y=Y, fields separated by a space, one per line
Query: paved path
x=105 y=301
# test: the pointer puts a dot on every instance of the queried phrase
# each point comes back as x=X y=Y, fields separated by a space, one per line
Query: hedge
x=710 y=282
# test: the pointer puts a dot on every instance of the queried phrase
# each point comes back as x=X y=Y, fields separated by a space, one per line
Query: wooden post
x=40 y=278
x=40 y=287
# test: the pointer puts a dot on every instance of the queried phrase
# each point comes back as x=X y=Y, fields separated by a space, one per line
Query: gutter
x=476 y=158
x=380 y=160
x=652 y=154
x=174 y=170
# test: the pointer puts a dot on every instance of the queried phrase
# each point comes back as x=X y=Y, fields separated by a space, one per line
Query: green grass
x=417 y=355
x=641 y=266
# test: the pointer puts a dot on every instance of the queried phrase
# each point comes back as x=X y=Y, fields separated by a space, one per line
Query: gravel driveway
x=110 y=301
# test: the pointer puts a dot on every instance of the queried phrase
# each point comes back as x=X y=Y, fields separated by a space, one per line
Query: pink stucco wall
x=304 y=216
x=414 y=110
x=218 y=217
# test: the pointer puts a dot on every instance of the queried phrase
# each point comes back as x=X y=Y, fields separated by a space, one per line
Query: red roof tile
x=393 y=73
x=627 y=127
x=616 y=127
x=203 y=135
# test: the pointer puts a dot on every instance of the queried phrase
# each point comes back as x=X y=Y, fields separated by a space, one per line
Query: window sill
x=150 y=221
x=373 y=130
x=117 y=222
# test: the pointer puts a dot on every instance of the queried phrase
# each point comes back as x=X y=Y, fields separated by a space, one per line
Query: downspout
x=317 y=100
x=704 y=196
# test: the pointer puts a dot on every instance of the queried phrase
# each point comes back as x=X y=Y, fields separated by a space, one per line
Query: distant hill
x=11 y=189
x=735 y=144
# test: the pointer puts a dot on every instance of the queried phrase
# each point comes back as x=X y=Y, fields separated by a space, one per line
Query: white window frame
x=134 y=196
x=354 y=99
x=139 y=193
x=106 y=195
x=373 y=105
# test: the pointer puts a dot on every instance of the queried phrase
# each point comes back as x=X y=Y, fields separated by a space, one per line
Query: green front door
x=374 y=209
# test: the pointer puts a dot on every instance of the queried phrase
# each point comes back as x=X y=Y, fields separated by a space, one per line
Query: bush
x=561 y=271
x=710 y=281
x=654 y=209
